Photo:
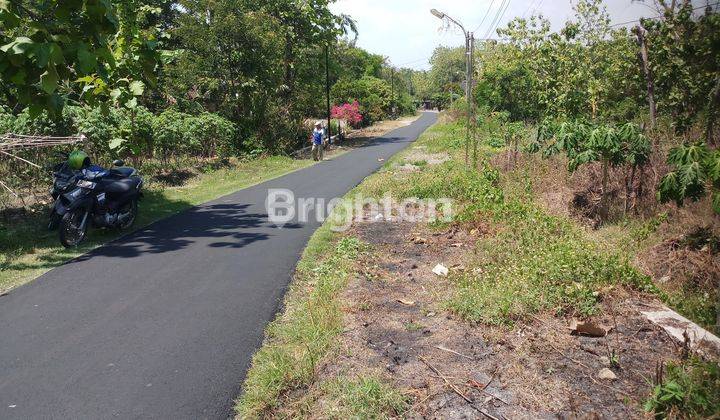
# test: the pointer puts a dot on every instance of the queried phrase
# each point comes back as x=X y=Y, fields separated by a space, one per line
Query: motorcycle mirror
x=118 y=162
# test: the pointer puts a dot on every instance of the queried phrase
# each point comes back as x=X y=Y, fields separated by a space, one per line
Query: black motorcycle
x=64 y=179
x=103 y=198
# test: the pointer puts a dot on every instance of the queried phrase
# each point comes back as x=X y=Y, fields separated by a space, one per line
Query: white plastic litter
x=440 y=270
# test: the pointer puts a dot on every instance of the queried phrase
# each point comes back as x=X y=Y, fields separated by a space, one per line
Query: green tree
x=91 y=51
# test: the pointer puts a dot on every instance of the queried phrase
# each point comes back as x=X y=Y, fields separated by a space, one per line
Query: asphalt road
x=163 y=322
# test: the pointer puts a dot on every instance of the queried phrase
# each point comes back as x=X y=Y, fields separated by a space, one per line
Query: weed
x=413 y=326
x=642 y=232
x=690 y=390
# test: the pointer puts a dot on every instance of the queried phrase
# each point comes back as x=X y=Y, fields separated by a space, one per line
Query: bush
x=44 y=124
x=210 y=134
x=690 y=390
x=134 y=136
x=99 y=128
x=349 y=112
x=7 y=121
x=374 y=96
x=169 y=133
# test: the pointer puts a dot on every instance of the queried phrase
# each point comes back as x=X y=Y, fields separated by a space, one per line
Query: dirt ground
x=396 y=325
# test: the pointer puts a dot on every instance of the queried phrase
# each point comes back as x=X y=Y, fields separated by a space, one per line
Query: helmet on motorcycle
x=78 y=160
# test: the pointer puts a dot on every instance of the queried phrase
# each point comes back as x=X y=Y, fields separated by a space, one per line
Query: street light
x=469 y=49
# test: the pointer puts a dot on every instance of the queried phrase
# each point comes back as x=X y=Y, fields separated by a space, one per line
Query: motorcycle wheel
x=54 y=220
x=71 y=231
x=133 y=215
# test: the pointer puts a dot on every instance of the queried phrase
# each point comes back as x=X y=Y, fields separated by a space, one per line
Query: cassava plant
x=696 y=170
x=583 y=143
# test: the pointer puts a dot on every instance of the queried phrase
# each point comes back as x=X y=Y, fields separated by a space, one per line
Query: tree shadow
x=165 y=225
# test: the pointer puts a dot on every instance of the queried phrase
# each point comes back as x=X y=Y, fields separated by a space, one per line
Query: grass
x=299 y=338
x=360 y=398
x=28 y=250
x=532 y=262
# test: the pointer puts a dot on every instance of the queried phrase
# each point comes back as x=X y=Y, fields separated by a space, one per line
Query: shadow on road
x=215 y=225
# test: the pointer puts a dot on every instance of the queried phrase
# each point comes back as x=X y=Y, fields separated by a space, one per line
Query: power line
x=528 y=8
x=486 y=15
x=497 y=21
x=660 y=16
x=497 y=14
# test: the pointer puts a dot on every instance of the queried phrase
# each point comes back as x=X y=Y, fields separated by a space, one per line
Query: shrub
x=349 y=112
x=134 y=136
x=690 y=390
x=99 y=128
x=44 y=124
x=169 y=133
x=209 y=134
x=7 y=121
x=373 y=95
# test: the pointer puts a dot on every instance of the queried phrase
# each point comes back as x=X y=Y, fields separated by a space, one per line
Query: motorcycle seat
x=120 y=186
x=123 y=172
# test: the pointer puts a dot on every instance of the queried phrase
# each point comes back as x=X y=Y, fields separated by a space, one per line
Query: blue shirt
x=317 y=136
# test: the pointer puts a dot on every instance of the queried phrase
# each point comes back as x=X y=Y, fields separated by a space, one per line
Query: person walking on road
x=317 y=141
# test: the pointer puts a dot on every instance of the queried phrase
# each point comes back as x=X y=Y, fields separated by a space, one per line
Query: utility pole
x=471 y=99
x=327 y=87
x=469 y=46
x=392 y=91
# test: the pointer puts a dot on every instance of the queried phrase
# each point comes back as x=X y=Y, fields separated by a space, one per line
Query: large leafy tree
x=684 y=55
x=89 y=51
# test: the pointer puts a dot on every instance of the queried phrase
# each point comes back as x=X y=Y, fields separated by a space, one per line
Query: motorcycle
x=64 y=179
x=106 y=198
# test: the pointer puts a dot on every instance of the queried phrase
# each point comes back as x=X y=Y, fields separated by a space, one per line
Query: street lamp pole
x=469 y=47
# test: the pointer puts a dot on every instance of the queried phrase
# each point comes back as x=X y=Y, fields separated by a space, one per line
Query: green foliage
x=373 y=94
x=696 y=169
x=690 y=390
x=169 y=132
x=134 y=136
x=92 y=50
x=99 y=127
x=209 y=134
x=585 y=143
x=683 y=56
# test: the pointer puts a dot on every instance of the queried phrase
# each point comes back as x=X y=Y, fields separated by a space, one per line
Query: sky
x=406 y=33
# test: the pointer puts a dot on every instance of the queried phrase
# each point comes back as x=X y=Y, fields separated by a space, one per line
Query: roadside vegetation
x=300 y=339
x=522 y=267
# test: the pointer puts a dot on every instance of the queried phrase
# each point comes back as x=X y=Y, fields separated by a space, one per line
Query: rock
x=605 y=361
x=607 y=374
x=587 y=328
x=440 y=270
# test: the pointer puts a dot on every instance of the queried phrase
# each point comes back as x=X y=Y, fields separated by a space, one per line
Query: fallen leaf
x=406 y=302
x=418 y=240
